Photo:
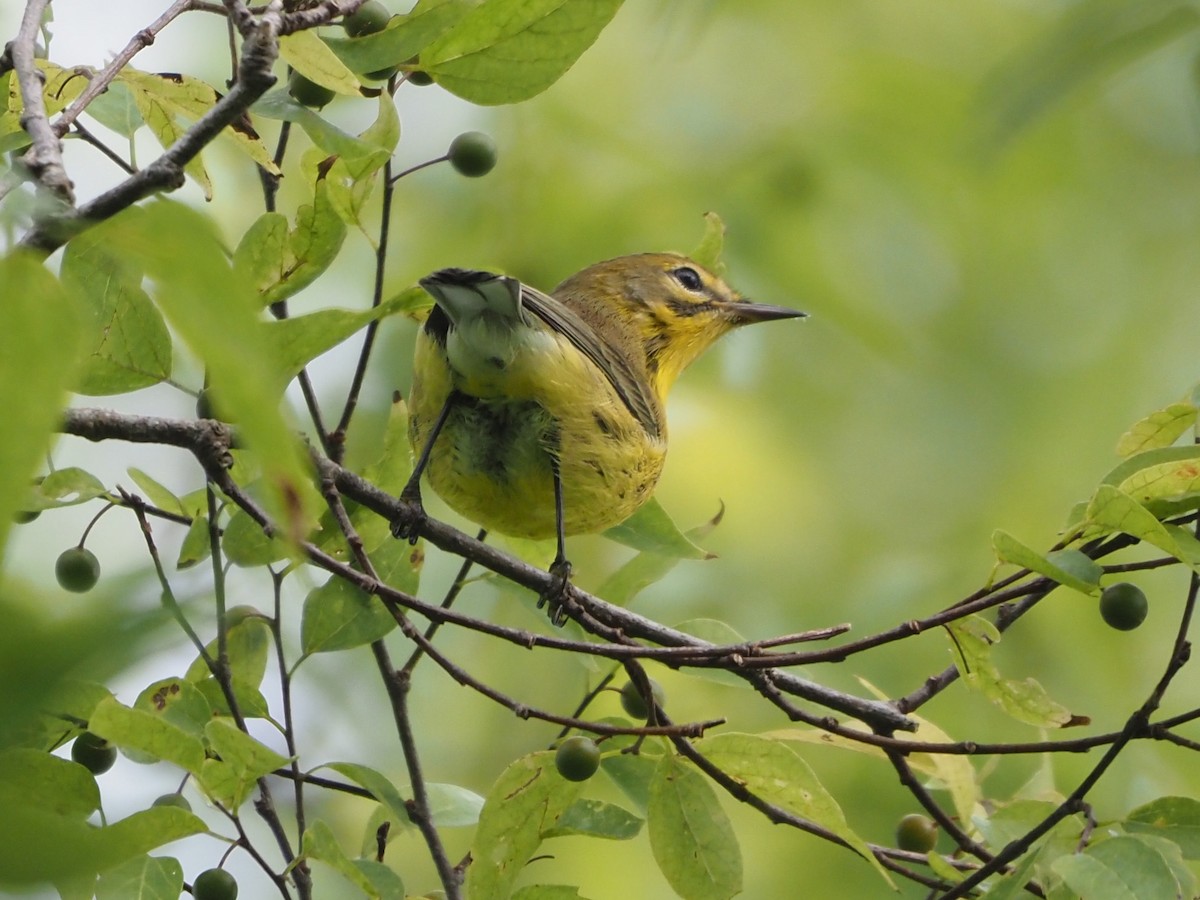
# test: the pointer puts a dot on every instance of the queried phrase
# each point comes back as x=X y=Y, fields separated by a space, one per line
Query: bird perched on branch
x=542 y=415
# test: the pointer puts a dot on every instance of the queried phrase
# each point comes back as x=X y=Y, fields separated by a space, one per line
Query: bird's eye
x=688 y=277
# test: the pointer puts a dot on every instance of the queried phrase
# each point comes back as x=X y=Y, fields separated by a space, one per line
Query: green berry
x=77 y=569
x=1123 y=606
x=369 y=18
x=420 y=78
x=173 y=800
x=916 y=833
x=472 y=153
x=577 y=758
x=308 y=93
x=93 y=753
x=214 y=884
x=635 y=705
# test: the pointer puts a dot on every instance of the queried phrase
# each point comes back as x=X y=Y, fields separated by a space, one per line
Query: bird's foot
x=555 y=597
x=407 y=526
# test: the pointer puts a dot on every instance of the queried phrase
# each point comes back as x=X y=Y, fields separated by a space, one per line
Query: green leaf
x=142 y=878
x=39 y=353
x=595 y=818
x=548 y=892
x=338 y=615
x=246 y=544
x=37 y=846
x=633 y=773
x=1067 y=567
x=248 y=646
x=1159 y=429
x=383 y=882
x=69 y=487
x=380 y=787
x=147 y=734
x=1161 y=488
x=1026 y=701
x=404 y=37
x=313 y=244
x=776 y=773
x=651 y=530
x=260 y=258
x=452 y=806
x=691 y=837
x=320 y=844
x=144 y=831
x=177 y=95
x=1174 y=818
x=1120 y=868
x=278 y=104
x=305 y=52
x=130 y=347
x=649 y=567
x=1112 y=510
x=1145 y=459
x=196 y=546
x=116 y=110
x=708 y=251
x=527 y=800
x=506 y=51
x=1173 y=857
x=36 y=779
x=176 y=700
x=299 y=340
x=155 y=492
x=241 y=761
x=1011 y=885
x=160 y=100
x=215 y=313
x=250 y=700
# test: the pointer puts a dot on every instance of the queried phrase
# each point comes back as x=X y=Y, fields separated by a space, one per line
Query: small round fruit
x=173 y=800
x=308 y=93
x=916 y=833
x=420 y=78
x=77 y=569
x=214 y=884
x=472 y=153
x=93 y=753
x=369 y=18
x=1123 y=606
x=634 y=704
x=577 y=758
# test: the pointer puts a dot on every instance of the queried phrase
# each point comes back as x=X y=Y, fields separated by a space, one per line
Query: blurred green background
x=991 y=211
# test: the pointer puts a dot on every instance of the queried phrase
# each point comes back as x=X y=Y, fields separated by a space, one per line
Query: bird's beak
x=745 y=312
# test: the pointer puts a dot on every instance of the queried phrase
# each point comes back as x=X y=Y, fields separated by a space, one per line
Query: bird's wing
x=634 y=392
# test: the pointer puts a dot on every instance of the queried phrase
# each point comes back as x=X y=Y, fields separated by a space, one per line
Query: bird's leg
x=406 y=527
x=561 y=567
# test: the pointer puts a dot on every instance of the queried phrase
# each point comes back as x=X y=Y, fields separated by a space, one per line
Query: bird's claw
x=407 y=526
x=556 y=595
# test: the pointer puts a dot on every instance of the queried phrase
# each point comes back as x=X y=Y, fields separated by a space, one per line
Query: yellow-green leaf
x=1159 y=429
x=505 y=51
x=1070 y=568
x=774 y=772
x=305 y=52
x=1026 y=701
